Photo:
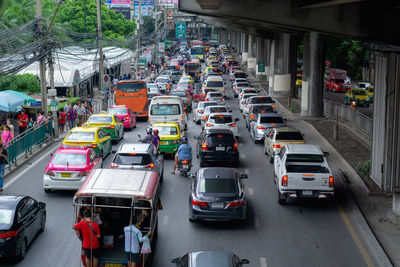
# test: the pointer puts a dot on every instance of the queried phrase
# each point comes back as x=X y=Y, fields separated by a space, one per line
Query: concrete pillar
x=266 y=55
x=312 y=102
x=222 y=37
x=245 y=44
x=251 y=60
x=281 y=65
x=259 y=55
x=238 y=42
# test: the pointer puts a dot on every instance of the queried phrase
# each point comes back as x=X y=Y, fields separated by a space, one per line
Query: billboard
x=147 y=8
x=119 y=2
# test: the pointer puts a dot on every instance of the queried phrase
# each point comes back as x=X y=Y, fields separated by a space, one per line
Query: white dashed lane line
x=263 y=262
x=251 y=191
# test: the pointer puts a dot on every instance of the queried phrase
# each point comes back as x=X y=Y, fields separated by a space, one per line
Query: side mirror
x=326 y=154
x=244 y=261
x=244 y=176
x=236 y=119
x=196 y=137
x=176 y=260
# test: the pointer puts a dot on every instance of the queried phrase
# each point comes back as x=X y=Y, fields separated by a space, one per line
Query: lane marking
x=165 y=220
x=33 y=164
x=251 y=191
x=355 y=237
x=256 y=222
x=246 y=171
x=263 y=262
x=243 y=156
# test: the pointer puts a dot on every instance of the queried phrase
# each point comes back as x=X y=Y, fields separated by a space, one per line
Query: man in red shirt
x=90 y=235
x=22 y=121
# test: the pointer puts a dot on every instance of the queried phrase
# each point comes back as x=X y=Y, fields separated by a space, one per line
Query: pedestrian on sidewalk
x=71 y=117
x=67 y=107
x=3 y=162
x=31 y=123
x=9 y=124
x=22 y=122
x=40 y=118
x=81 y=112
x=6 y=135
x=62 y=120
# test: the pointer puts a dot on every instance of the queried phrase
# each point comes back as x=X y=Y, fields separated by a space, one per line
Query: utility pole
x=100 y=38
x=42 y=61
x=53 y=94
x=139 y=41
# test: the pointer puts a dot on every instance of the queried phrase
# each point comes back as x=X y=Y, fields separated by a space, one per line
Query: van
x=216 y=83
x=167 y=109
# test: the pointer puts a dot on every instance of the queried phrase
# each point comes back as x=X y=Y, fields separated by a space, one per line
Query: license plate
x=163 y=142
x=113 y=265
x=220 y=148
x=65 y=175
x=185 y=166
x=307 y=192
x=217 y=205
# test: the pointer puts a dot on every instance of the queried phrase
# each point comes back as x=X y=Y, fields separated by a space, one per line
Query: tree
x=21 y=83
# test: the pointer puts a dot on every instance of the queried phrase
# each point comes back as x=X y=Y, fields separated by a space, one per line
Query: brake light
x=127 y=118
x=331 y=182
x=81 y=174
x=235 y=146
x=252 y=117
x=284 y=181
x=232 y=124
x=110 y=127
x=205 y=117
x=273 y=124
x=200 y=111
x=185 y=161
x=236 y=89
x=204 y=146
x=199 y=203
x=276 y=146
x=209 y=124
x=207 y=99
x=236 y=203
x=181 y=118
x=188 y=99
x=261 y=128
x=148 y=119
x=49 y=173
x=8 y=234
x=185 y=107
x=222 y=99
x=91 y=146
x=114 y=165
x=150 y=166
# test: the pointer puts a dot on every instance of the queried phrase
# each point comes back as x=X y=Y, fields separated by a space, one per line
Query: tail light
x=114 y=165
x=252 y=117
x=184 y=107
x=148 y=119
x=207 y=99
x=209 y=124
x=222 y=99
x=81 y=174
x=235 y=146
x=8 y=234
x=284 y=181
x=273 y=124
x=261 y=128
x=204 y=146
x=127 y=118
x=236 y=89
x=199 y=203
x=91 y=146
x=110 y=127
x=331 y=182
x=181 y=118
x=273 y=106
x=188 y=99
x=200 y=111
x=236 y=204
x=205 y=117
x=150 y=166
x=50 y=173
x=276 y=146
x=232 y=124
x=185 y=161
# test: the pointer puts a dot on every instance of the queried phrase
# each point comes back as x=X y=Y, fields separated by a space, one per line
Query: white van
x=167 y=109
x=216 y=83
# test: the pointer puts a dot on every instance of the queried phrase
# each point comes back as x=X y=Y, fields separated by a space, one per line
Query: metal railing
x=356 y=118
x=23 y=145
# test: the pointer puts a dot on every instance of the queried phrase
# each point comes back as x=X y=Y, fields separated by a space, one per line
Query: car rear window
x=245 y=84
x=165 y=109
x=69 y=159
x=215 y=95
x=271 y=120
x=218 y=109
x=132 y=159
x=207 y=104
x=215 y=84
x=289 y=136
x=219 y=138
x=179 y=93
x=80 y=136
x=6 y=217
x=217 y=185
x=261 y=100
x=100 y=119
x=166 y=130
x=131 y=87
x=118 y=111
x=304 y=158
x=262 y=109
x=240 y=75
x=221 y=119
x=306 y=168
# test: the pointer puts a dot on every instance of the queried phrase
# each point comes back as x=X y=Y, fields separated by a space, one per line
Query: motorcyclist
x=148 y=139
x=184 y=153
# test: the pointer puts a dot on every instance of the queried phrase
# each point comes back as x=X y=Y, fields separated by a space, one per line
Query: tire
x=24 y=247
x=47 y=191
x=43 y=223
x=271 y=159
x=281 y=201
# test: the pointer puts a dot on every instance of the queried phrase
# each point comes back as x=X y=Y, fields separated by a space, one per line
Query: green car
x=110 y=123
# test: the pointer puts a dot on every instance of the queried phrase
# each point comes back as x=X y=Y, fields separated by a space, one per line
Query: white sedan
x=198 y=112
x=242 y=100
x=213 y=109
x=222 y=121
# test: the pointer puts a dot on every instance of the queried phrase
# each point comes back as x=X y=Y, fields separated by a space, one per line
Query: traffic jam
x=192 y=112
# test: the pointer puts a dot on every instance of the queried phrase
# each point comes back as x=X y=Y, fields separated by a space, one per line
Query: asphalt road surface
x=306 y=233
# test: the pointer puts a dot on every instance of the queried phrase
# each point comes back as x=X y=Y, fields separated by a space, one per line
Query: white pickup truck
x=301 y=171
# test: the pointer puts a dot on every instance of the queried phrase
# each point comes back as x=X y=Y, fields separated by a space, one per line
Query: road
x=307 y=233
x=339 y=98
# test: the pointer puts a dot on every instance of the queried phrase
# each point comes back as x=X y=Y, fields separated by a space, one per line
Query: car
x=254 y=100
x=95 y=138
x=185 y=87
x=247 y=90
x=125 y=115
x=254 y=110
x=170 y=134
x=363 y=85
x=359 y=96
x=199 y=110
x=209 y=259
x=242 y=99
x=163 y=79
x=152 y=92
x=213 y=109
x=186 y=79
x=176 y=75
x=222 y=121
x=69 y=167
x=217 y=194
x=259 y=128
x=139 y=157
x=217 y=146
x=238 y=74
x=216 y=96
x=238 y=86
x=163 y=88
x=186 y=98
x=110 y=123
x=279 y=137
x=22 y=218
x=370 y=93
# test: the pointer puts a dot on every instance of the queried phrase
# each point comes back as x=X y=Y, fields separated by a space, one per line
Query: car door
x=95 y=161
x=27 y=216
x=118 y=126
x=104 y=140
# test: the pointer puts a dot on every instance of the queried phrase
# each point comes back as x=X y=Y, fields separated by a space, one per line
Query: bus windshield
x=131 y=87
x=165 y=109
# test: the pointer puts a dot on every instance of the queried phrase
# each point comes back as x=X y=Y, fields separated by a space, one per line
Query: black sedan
x=210 y=259
x=21 y=219
x=217 y=194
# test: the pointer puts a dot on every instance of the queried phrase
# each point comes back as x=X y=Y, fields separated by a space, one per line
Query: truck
x=113 y=197
x=301 y=171
x=336 y=80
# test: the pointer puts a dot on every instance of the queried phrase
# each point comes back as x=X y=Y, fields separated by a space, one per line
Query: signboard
x=261 y=66
x=53 y=105
x=180 y=30
x=125 y=11
x=161 y=47
x=147 y=8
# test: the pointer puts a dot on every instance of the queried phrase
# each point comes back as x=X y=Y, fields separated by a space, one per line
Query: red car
x=125 y=115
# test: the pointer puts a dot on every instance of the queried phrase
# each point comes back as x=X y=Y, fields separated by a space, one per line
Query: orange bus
x=133 y=94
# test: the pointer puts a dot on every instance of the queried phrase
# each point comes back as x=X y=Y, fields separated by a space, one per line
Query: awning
x=27 y=99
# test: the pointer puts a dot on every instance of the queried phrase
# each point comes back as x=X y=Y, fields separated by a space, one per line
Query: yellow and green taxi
x=370 y=93
x=95 y=138
x=186 y=79
x=359 y=96
x=170 y=135
x=110 y=123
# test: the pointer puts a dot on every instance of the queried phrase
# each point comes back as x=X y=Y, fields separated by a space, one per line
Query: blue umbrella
x=10 y=102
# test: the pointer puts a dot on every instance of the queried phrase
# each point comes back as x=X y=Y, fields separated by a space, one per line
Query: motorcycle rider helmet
x=184 y=139
x=155 y=132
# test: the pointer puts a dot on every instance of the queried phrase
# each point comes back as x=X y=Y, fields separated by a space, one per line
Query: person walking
x=62 y=120
x=9 y=124
x=6 y=135
x=133 y=236
x=90 y=232
x=71 y=117
x=3 y=162
x=80 y=111
x=22 y=122
x=156 y=139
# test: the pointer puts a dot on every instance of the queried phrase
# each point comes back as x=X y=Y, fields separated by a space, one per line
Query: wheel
x=43 y=223
x=281 y=201
x=271 y=159
x=102 y=154
x=22 y=253
x=47 y=190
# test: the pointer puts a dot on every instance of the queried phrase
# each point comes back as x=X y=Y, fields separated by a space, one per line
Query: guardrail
x=25 y=143
x=356 y=118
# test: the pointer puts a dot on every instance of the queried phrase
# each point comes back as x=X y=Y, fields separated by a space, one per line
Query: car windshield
x=289 y=136
x=179 y=93
x=69 y=159
x=131 y=87
x=359 y=92
x=306 y=168
x=215 y=84
x=165 y=109
x=6 y=218
x=261 y=100
x=217 y=185
x=118 y=111
x=100 y=119
x=220 y=119
x=219 y=138
x=80 y=136
x=304 y=158
x=218 y=109
x=271 y=120
x=166 y=130
x=132 y=159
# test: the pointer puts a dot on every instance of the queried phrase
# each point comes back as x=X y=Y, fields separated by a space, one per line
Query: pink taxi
x=69 y=167
x=125 y=115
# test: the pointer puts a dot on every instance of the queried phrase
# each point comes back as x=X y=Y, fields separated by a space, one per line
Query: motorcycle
x=184 y=167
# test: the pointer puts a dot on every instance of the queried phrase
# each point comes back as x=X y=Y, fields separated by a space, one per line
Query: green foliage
x=22 y=83
x=148 y=26
x=292 y=109
x=364 y=169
